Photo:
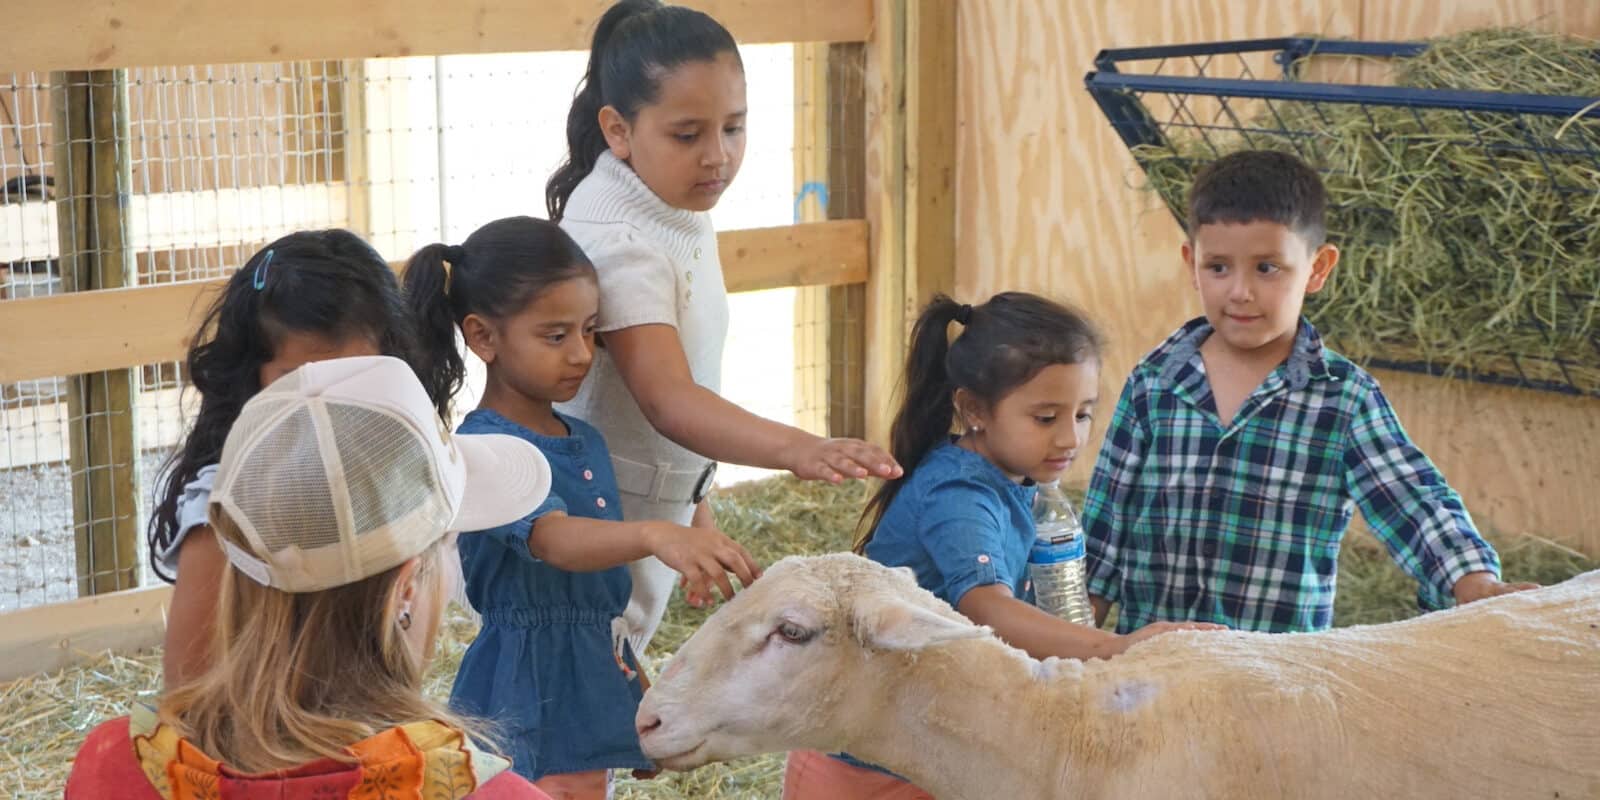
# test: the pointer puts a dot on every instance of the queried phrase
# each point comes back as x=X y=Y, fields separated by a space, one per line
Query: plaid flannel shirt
x=1191 y=519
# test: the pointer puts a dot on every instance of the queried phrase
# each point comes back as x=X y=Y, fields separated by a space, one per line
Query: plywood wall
x=1045 y=204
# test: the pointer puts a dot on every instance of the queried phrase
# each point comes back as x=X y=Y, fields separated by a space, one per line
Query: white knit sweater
x=657 y=264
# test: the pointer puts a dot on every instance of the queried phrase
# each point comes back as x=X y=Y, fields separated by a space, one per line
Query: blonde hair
x=297 y=677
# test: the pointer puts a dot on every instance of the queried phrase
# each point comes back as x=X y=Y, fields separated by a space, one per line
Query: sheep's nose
x=646 y=722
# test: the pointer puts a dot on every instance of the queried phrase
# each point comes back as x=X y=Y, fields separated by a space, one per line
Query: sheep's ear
x=886 y=622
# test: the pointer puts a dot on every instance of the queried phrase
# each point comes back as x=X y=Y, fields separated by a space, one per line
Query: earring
x=404 y=620
x=975 y=429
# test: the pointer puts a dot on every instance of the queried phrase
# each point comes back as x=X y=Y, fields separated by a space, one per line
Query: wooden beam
x=51 y=637
x=109 y=329
x=356 y=150
x=911 y=101
x=122 y=328
x=930 y=150
x=808 y=254
x=887 y=306
x=94 y=169
x=98 y=34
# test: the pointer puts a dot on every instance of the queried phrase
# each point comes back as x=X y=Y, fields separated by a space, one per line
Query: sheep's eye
x=794 y=634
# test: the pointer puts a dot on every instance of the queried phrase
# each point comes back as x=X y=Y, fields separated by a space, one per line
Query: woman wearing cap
x=333 y=500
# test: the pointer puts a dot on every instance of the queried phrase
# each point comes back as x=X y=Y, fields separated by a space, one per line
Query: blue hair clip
x=261 y=272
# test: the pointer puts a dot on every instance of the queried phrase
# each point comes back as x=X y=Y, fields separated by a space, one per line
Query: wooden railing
x=884 y=242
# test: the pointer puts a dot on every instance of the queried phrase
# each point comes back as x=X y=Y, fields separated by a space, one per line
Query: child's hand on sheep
x=700 y=594
x=704 y=557
x=1157 y=628
x=1479 y=585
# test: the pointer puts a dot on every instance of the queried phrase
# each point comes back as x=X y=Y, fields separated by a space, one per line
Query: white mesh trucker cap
x=341 y=470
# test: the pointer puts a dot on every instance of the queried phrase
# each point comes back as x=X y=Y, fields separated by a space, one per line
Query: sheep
x=1500 y=698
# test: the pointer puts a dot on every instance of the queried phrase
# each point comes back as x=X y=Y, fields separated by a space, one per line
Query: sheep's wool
x=1496 y=699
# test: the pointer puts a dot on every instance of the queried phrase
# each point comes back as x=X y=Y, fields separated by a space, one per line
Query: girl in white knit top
x=656 y=134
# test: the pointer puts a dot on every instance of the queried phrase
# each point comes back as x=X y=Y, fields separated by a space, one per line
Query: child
x=656 y=134
x=549 y=665
x=308 y=296
x=1020 y=383
x=327 y=616
x=1240 y=445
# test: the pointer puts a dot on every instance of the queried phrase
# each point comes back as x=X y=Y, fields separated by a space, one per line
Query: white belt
x=661 y=483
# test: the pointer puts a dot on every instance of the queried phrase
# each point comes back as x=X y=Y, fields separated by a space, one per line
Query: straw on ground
x=43 y=719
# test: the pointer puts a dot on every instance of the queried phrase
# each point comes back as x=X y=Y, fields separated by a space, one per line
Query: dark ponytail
x=636 y=43
x=326 y=283
x=500 y=269
x=1002 y=345
x=426 y=280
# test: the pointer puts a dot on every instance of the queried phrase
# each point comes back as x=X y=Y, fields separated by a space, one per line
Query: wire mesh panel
x=225 y=158
x=1467 y=216
x=156 y=176
x=118 y=178
x=36 y=519
x=830 y=163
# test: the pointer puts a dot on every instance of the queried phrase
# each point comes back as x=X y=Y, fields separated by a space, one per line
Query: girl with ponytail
x=551 y=666
x=986 y=416
x=656 y=134
x=308 y=296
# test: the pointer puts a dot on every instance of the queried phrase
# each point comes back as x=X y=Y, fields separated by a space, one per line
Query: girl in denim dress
x=551 y=666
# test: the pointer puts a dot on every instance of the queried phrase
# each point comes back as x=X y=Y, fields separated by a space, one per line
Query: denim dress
x=959 y=523
x=544 y=667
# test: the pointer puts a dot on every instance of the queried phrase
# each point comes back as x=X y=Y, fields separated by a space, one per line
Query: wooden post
x=352 y=148
x=830 y=172
x=886 y=302
x=930 y=150
x=93 y=172
x=911 y=97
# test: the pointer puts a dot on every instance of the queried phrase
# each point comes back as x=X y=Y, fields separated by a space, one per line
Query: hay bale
x=1468 y=237
x=43 y=719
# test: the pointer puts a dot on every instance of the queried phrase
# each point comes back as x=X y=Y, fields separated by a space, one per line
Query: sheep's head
x=797 y=660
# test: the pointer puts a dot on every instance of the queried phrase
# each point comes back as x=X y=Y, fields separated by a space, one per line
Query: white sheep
x=1500 y=698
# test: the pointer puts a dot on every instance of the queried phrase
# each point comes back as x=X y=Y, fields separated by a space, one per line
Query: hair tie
x=453 y=256
x=964 y=314
x=260 y=279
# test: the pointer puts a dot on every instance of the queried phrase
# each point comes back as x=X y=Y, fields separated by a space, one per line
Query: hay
x=43 y=719
x=1468 y=238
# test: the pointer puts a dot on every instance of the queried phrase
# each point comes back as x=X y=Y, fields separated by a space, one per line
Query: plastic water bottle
x=1055 y=564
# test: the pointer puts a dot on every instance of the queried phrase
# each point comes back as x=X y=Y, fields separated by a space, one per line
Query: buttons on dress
x=588 y=474
x=600 y=501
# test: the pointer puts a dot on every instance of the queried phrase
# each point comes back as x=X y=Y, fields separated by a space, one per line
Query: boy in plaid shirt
x=1241 y=445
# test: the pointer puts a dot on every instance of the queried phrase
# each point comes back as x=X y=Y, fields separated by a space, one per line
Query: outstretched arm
x=1042 y=635
x=652 y=363
x=1414 y=513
